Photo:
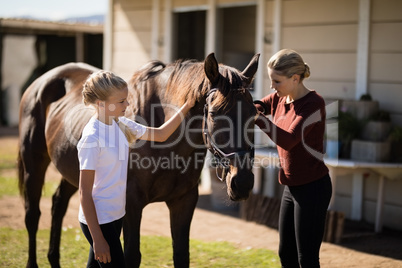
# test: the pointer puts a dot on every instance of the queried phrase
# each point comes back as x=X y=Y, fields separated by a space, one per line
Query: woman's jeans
x=302 y=221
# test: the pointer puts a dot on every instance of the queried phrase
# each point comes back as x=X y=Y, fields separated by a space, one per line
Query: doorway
x=236 y=35
x=189 y=38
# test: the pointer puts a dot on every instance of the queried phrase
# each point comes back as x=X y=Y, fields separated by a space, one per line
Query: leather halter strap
x=223 y=159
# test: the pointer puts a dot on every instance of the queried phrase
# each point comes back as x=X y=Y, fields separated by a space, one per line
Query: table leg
x=380 y=205
x=332 y=174
x=357 y=196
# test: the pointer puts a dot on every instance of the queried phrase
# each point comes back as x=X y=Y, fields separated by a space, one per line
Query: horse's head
x=228 y=127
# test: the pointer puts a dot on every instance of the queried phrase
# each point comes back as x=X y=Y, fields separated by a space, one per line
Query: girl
x=103 y=156
x=297 y=127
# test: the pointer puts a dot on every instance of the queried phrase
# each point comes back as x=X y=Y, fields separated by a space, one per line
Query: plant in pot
x=372 y=145
x=395 y=137
x=362 y=109
x=349 y=128
x=377 y=127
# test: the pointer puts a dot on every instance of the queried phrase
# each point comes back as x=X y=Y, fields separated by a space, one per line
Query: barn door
x=236 y=35
x=189 y=35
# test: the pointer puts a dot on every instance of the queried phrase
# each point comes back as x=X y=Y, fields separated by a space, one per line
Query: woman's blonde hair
x=99 y=86
x=288 y=62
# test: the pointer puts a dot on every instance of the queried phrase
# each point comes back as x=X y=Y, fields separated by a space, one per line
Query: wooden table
x=338 y=167
x=391 y=171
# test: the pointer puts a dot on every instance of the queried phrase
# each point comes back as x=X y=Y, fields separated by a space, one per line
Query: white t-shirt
x=104 y=148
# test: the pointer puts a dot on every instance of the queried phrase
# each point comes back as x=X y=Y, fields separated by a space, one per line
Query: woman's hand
x=102 y=250
x=257 y=115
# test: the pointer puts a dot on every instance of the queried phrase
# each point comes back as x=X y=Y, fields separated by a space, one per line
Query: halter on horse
x=221 y=159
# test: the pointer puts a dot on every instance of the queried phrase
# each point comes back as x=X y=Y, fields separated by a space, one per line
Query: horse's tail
x=21 y=174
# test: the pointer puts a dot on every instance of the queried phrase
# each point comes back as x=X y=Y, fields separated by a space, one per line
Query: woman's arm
x=100 y=246
x=301 y=125
x=163 y=132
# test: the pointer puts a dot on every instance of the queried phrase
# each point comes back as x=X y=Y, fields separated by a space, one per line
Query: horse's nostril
x=241 y=185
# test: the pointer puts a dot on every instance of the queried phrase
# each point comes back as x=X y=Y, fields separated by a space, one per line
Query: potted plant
x=349 y=129
x=395 y=137
x=378 y=127
x=362 y=109
x=373 y=145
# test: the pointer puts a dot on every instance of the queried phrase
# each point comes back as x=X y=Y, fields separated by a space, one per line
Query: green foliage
x=8 y=161
x=381 y=116
x=349 y=126
x=156 y=251
x=396 y=134
x=9 y=186
x=14 y=248
x=366 y=97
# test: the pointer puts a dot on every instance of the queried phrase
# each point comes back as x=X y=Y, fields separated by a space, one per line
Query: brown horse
x=52 y=117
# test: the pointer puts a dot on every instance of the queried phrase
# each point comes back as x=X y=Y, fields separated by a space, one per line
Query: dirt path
x=209 y=225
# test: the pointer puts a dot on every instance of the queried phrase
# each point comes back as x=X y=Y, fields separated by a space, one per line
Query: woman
x=297 y=128
x=103 y=155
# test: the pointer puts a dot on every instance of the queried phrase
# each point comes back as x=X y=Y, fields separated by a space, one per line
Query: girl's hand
x=191 y=102
x=102 y=250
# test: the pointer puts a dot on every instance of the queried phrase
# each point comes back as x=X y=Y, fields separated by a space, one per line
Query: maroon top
x=297 y=128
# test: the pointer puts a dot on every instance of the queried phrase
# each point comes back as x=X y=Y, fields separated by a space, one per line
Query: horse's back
x=49 y=88
x=44 y=107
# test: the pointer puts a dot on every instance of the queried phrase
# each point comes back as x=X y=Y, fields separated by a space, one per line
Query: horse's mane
x=190 y=74
x=187 y=74
x=231 y=83
x=147 y=71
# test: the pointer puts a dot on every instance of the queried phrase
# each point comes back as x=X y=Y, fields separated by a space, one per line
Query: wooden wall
x=131 y=35
x=385 y=68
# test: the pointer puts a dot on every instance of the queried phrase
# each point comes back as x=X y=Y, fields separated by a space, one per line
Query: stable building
x=29 y=48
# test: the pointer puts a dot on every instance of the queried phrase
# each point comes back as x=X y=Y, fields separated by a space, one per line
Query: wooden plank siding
x=132 y=27
x=385 y=69
x=325 y=33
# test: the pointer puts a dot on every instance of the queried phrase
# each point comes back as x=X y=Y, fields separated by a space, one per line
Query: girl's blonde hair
x=288 y=62
x=101 y=85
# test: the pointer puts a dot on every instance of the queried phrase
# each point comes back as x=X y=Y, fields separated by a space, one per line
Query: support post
x=363 y=48
x=380 y=205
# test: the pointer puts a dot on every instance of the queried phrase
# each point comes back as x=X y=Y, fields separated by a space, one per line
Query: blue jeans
x=111 y=231
x=302 y=222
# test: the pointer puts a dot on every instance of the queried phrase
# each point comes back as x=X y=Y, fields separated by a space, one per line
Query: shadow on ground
x=358 y=236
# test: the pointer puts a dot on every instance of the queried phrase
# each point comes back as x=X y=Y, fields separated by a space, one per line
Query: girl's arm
x=100 y=246
x=163 y=132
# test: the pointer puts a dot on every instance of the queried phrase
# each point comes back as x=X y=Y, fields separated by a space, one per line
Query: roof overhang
x=26 y=26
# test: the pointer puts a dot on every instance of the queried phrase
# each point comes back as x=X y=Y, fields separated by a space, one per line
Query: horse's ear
x=251 y=68
x=211 y=69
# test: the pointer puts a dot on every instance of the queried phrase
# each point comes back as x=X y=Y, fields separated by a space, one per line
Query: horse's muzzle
x=240 y=184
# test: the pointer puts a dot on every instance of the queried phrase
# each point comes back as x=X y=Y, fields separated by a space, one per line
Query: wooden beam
x=363 y=42
x=108 y=38
x=155 y=30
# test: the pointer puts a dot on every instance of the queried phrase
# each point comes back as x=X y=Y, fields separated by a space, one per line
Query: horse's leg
x=131 y=228
x=181 y=213
x=60 y=204
x=35 y=166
